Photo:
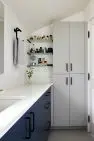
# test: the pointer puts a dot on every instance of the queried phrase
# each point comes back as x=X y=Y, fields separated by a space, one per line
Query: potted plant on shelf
x=29 y=73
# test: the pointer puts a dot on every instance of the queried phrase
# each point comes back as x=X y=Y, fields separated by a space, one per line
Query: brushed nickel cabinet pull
x=67 y=67
x=71 y=81
x=66 y=80
x=71 y=66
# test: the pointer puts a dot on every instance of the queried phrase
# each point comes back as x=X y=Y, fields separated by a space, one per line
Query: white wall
x=89 y=11
x=75 y=17
x=1 y=47
x=13 y=76
x=47 y=30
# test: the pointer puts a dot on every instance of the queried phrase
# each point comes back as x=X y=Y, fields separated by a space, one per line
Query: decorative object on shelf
x=40 y=50
x=31 y=64
x=31 y=53
x=49 y=50
x=29 y=73
x=42 y=61
x=33 y=57
x=32 y=50
x=28 y=40
x=39 y=60
x=41 y=38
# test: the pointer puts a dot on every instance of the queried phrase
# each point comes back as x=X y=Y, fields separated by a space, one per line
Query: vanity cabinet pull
x=47 y=105
x=48 y=126
x=67 y=67
x=66 y=80
x=48 y=94
x=32 y=122
x=71 y=81
x=28 y=127
x=71 y=66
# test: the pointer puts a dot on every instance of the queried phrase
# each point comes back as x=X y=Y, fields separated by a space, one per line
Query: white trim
x=90 y=71
x=92 y=135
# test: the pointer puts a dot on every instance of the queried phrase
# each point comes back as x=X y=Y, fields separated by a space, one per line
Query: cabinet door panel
x=42 y=112
x=61 y=100
x=17 y=132
x=77 y=43
x=77 y=101
x=61 y=48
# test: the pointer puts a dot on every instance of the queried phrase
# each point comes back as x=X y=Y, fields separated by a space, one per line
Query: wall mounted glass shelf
x=44 y=65
x=39 y=53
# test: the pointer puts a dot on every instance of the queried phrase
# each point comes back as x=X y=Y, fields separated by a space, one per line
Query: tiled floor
x=69 y=135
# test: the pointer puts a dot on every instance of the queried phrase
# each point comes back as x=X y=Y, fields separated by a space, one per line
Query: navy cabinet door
x=17 y=132
x=23 y=130
x=42 y=114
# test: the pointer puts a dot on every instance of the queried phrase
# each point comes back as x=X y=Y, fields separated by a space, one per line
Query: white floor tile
x=69 y=135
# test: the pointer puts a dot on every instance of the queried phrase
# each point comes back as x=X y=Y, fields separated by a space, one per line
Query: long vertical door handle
x=66 y=80
x=67 y=67
x=32 y=116
x=71 y=80
x=48 y=126
x=28 y=127
x=71 y=66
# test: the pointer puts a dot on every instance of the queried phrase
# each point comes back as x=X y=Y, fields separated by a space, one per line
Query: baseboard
x=92 y=135
x=69 y=128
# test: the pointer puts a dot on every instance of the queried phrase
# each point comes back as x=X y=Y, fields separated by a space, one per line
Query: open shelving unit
x=45 y=43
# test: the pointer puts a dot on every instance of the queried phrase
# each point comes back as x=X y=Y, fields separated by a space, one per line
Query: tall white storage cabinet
x=69 y=74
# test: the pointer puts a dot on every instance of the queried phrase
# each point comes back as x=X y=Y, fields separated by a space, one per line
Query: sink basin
x=5 y=103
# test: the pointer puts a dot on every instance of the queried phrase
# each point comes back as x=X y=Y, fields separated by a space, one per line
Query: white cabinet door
x=60 y=48
x=77 y=44
x=61 y=100
x=77 y=100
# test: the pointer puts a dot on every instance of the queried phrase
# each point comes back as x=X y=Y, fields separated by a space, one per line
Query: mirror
x=1 y=38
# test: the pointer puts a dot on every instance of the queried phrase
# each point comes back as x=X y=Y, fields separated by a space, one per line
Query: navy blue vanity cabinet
x=47 y=115
x=35 y=124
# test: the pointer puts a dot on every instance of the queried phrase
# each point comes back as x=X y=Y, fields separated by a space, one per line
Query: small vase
x=29 y=81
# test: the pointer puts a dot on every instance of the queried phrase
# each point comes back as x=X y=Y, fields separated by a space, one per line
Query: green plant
x=29 y=72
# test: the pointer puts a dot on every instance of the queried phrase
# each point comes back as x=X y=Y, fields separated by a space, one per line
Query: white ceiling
x=38 y=13
x=1 y=11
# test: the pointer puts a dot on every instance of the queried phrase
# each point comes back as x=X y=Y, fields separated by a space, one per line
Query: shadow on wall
x=11 y=79
x=42 y=75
